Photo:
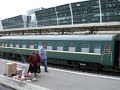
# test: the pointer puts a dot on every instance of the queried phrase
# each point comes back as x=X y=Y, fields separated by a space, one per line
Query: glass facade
x=46 y=17
x=90 y=11
x=110 y=10
x=63 y=14
x=59 y=15
x=86 y=12
x=20 y=21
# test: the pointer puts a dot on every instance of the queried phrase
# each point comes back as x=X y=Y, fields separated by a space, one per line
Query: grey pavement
x=63 y=80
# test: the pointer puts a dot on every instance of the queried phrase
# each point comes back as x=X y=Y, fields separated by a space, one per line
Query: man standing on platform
x=42 y=53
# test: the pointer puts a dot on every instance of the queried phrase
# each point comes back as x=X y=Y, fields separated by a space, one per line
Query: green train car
x=89 y=51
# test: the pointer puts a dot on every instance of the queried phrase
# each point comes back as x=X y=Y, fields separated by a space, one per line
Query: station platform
x=58 y=79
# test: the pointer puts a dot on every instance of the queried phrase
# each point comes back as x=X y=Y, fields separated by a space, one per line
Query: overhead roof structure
x=109 y=26
x=94 y=37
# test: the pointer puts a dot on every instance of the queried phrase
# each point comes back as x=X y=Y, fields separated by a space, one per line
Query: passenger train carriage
x=72 y=50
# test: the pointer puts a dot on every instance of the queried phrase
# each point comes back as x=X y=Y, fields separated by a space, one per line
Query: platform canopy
x=108 y=26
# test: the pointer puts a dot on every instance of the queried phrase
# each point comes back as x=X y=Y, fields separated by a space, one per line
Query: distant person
x=42 y=53
x=34 y=63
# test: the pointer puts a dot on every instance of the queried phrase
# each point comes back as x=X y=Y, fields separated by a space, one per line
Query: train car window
x=40 y=46
x=17 y=46
x=72 y=47
x=49 y=47
x=85 y=48
x=97 y=49
x=24 y=46
x=60 y=46
x=11 y=45
x=31 y=46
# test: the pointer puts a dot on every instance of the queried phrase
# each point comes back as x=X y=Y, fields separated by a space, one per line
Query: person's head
x=37 y=52
x=33 y=53
x=44 y=45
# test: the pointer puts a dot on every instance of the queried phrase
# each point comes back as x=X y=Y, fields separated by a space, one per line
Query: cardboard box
x=11 y=68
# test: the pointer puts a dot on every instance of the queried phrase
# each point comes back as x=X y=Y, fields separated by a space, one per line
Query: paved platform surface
x=57 y=79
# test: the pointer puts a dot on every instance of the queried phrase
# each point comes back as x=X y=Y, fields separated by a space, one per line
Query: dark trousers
x=44 y=63
x=34 y=69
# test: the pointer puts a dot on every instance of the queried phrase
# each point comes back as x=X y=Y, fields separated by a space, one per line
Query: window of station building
x=97 y=2
x=84 y=12
x=11 y=45
x=78 y=4
x=24 y=46
x=110 y=5
x=85 y=48
x=97 y=49
x=95 y=7
x=72 y=47
x=96 y=15
x=17 y=45
x=83 y=19
x=108 y=14
x=60 y=47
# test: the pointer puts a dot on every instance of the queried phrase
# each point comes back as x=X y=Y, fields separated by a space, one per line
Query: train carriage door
x=107 y=56
x=119 y=55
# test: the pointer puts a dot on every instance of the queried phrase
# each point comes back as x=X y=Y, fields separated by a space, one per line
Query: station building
x=20 y=21
x=90 y=11
x=31 y=13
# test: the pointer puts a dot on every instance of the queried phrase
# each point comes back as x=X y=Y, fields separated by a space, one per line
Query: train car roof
x=96 y=37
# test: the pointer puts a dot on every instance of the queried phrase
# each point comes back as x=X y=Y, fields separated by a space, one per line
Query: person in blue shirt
x=43 y=54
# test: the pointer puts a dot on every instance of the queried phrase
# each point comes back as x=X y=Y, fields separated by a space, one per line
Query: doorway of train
x=117 y=54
